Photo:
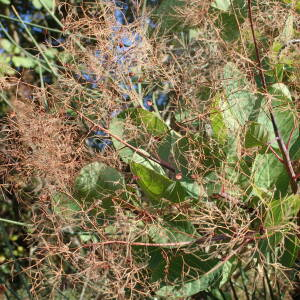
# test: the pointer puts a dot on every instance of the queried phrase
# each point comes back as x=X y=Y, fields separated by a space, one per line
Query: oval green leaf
x=97 y=180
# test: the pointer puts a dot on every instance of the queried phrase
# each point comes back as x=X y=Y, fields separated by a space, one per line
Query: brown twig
x=249 y=236
x=283 y=149
x=148 y=156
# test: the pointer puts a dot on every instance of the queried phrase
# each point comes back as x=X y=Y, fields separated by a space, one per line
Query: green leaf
x=212 y=184
x=51 y=53
x=147 y=163
x=26 y=62
x=239 y=103
x=5 y=1
x=209 y=273
x=118 y=128
x=176 y=192
x=281 y=92
x=147 y=119
x=221 y=4
x=192 y=188
x=217 y=121
x=284 y=113
x=165 y=146
x=287 y=33
x=209 y=152
x=291 y=250
x=172 y=232
x=39 y=4
x=180 y=148
x=64 y=57
x=166 y=12
x=295 y=149
x=156 y=264
x=97 y=180
x=6 y=45
x=279 y=214
x=5 y=68
x=267 y=172
x=64 y=206
x=155 y=185
x=256 y=135
x=281 y=211
x=229 y=27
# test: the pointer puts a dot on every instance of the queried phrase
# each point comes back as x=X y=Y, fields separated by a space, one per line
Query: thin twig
x=283 y=149
x=233 y=290
x=148 y=156
x=274 y=152
x=269 y=284
x=15 y=222
x=249 y=236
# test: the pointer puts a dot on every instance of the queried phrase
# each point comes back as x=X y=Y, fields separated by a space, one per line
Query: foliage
x=152 y=157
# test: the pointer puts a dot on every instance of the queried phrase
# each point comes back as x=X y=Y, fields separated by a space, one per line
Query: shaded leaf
x=229 y=27
x=166 y=12
x=64 y=206
x=210 y=274
x=156 y=264
x=97 y=180
x=172 y=232
x=291 y=250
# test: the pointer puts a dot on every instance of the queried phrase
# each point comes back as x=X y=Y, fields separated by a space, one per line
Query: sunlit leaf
x=239 y=102
x=256 y=135
x=284 y=112
x=281 y=211
x=148 y=120
x=136 y=117
x=267 y=172
x=157 y=186
x=6 y=45
x=25 y=62
x=221 y=4
x=39 y=4
x=5 y=67
x=218 y=123
x=279 y=214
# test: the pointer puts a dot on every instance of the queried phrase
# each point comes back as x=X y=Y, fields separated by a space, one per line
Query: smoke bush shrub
x=193 y=195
